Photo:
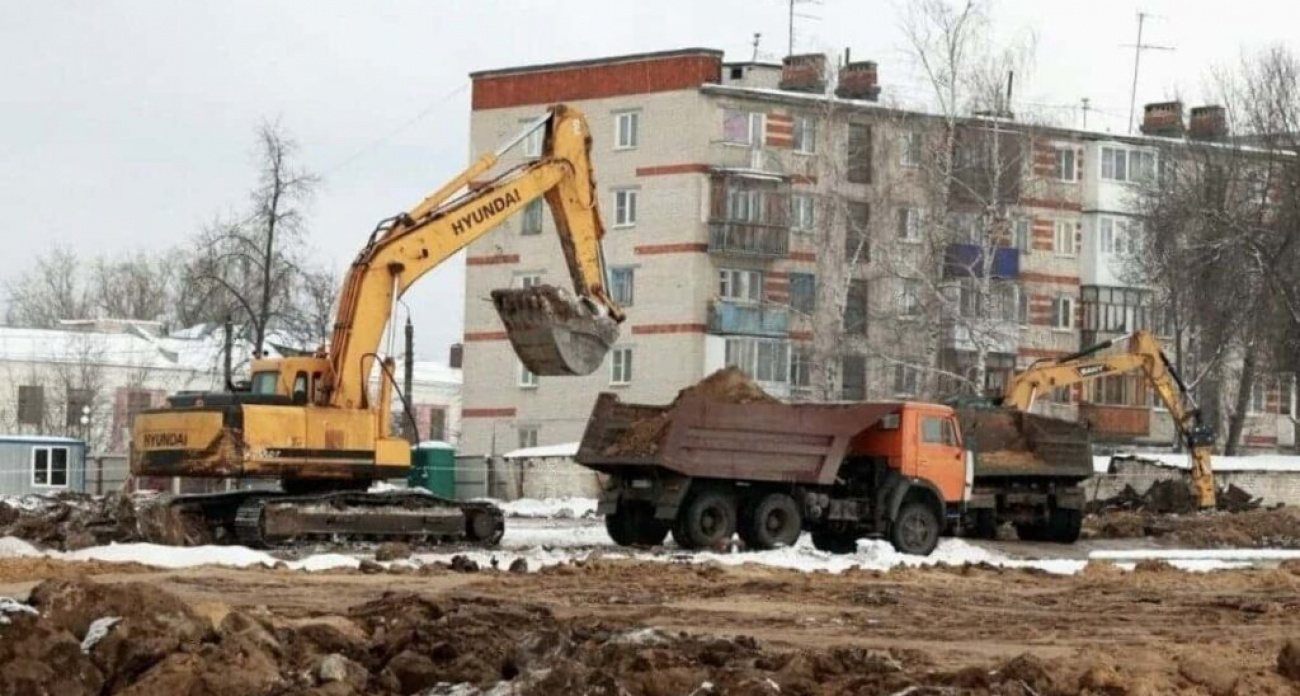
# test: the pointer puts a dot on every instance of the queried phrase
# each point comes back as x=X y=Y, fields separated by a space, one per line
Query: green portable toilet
x=433 y=468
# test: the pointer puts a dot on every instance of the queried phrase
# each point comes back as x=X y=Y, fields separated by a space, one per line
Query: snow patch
x=98 y=629
x=641 y=636
x=27 y=503
x=559 y=508
x=9 y=605
x=565 y=449
x=13 y=547
x=1262 y=462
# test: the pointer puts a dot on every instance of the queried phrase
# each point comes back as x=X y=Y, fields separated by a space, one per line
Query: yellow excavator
x=312 y=423
x=1143 y=354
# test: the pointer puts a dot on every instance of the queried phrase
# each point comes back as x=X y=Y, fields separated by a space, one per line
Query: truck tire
x=985 y=525
x=634 y=524
x=835 y=542
x=1065 y=526
x=1036 y=531
x=773 y=522
x=915 y=530
x=707 y=519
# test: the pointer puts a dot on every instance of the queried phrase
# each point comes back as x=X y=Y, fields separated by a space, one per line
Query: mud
x=71 y=521
x=482 y=638
x=728 y=385
x=1277 y=528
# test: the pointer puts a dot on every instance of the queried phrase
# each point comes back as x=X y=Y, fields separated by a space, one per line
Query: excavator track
x=262 y=519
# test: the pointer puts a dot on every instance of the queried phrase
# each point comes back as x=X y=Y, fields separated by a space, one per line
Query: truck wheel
x=915 y=530
x=1065 y=526
x=618 y=527
x=834 y=542
x=775 y=521
x=634 y=524
x=708 y=519
x=1031 y=532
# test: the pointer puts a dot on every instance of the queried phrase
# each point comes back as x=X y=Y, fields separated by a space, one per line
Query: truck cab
x=922 y=442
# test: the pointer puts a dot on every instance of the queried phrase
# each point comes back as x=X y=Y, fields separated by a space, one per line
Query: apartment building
x=717 y=181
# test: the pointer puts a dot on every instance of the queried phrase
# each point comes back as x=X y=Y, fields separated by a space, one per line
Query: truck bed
x=1012 y=444
x=695 y=436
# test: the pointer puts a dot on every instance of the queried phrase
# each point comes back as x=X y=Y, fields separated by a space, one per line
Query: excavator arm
x=1144 y=355
x=553 y=332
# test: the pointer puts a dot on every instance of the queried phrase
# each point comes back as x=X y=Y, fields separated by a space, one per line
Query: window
x=531 y=280
x=740 y=284
x=1115 y=309
x=805 y=135
x=78 y=405
x=31 y=405
x=264 y=382
x=1020 y=234
x=1065 y=168
x=907 y=380
x=742 y=127
x=909 y=224
x=1063 y=239
x=765 y=360
x=1061 y=395
x=803 y=292
x=531 y=220
x=533 y=141
x=1063 y=312
x=855 y=308
x=526 y=377
x=800 y=366
x=1114 y=164
x=802 y=206
x=1116 y=236
x=853 y=378
x=625 y=207
x=622 y=285
x=909 y=302
x=1258 y=394
x=910 y=149
x=746 y=205
x=437 y=424
x=1012 y=304
x=528 y=436
x=857 y=246
x=620 y=366
x=859 y=153
x=932 y=430
x=50 y=467
x=299 y=392
x=1142 y=166
x=625 y=130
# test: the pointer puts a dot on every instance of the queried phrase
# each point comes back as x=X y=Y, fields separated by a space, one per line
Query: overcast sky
x=127 y=125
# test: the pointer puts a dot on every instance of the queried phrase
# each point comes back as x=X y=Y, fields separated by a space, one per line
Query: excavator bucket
x=554 y=333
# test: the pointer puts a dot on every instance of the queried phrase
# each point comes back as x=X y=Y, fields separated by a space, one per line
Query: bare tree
x=135 y=286
x=49 y=292
x=250 y=267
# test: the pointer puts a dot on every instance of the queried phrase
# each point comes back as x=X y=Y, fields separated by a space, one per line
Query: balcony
x=750 y=239
x=727 y=317
x=967 y=261
x=1116 y=422
x=994 y=335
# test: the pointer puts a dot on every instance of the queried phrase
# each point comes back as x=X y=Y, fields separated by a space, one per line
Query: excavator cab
x=553 y=332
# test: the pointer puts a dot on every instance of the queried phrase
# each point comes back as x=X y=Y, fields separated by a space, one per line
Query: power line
x=366 y=149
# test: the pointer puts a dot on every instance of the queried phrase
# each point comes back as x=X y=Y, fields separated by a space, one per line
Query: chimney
x=804 y=73
x=456 y=355
x=858 y=81
x=1208 y=123
x=1164 y=119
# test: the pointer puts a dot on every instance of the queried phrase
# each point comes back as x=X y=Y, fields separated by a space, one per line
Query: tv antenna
x=1087 y=104
x=757 y=36
x=791 y=4
x=1138 y=48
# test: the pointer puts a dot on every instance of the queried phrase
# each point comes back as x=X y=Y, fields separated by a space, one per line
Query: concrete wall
x=544 y=477
x=1274 y=487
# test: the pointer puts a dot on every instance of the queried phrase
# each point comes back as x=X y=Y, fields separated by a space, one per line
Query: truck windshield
x=264 y=382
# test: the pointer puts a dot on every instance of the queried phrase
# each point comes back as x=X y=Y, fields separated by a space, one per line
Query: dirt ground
x=611 y=627
x=1278 y=528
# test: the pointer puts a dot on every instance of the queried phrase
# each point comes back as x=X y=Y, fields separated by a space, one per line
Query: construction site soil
x=626 y=627
x=1277 y=528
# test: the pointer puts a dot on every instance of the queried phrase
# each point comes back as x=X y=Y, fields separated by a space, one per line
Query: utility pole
x=757 y=36
x=1138 y=48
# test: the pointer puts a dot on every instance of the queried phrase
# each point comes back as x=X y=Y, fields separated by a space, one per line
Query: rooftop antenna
x=1138 y=48
x=790 y=5
x=757 y=36
x=1086 y=106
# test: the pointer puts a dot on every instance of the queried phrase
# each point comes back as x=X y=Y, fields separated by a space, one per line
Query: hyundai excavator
x=312 y=423
x=1144 y=355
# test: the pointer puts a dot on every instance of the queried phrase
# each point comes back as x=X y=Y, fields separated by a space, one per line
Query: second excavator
x=311 y=421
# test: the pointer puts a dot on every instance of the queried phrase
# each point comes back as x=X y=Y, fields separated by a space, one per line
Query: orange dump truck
x=704 y=469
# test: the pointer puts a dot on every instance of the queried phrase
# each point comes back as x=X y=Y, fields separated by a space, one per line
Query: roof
x=40 y=440
x=609 y=60
x=566 y=449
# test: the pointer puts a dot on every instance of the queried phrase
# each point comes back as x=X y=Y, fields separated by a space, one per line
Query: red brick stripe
x=667 y=329
x=587 y=80
x=1053 y=205
x=681 y=248
x=801 y=335
x=502 y=412
x=802 y=179
x=472 y=336
x=491 y=260
x=665 y=169
x=1031 y=277
x=803 y=256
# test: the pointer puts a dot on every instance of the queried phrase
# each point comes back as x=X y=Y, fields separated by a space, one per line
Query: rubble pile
x=71 y=521
x=1277 y=528
x=728 y=385
x=80 y=637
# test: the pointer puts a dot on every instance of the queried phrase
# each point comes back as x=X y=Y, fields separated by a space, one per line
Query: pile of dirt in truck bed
x=1276 y=528
x=728 y=385
x=71 y=521
x=81 y=637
